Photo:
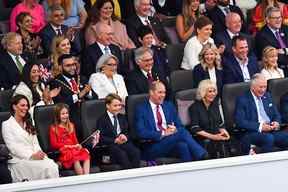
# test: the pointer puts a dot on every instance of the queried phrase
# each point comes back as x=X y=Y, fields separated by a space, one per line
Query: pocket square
x=270 y=104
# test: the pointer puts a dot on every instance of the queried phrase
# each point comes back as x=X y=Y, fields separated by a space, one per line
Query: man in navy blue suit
x=256 y=113
x=157 y=120
x=239 y=67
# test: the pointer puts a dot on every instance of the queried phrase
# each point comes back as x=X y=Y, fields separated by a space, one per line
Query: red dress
x=67 y=155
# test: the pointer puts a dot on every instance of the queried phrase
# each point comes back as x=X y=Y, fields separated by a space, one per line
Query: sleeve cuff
x=75 y=98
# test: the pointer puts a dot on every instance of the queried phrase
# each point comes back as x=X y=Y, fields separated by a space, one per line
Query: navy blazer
x=107 y=132
x=47 y=34
x=91 y=55
x=133 y=23
x=224 y=38
x=246 y=116
x=9 y=73
x=200 y=74
x=145 y=123
x=218 y=18
x=232 y=72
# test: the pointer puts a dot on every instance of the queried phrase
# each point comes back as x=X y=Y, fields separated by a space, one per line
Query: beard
x=65 y=73
x=223 y=3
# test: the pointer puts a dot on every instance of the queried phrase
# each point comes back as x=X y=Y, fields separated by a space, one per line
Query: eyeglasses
x=275 y=18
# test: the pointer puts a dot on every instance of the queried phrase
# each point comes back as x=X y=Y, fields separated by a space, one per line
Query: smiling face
x=209 y=57
x=205 y=32
x=35 y=74
x=275 y=20
x=259 y=87
x=15 y=46
x=64 y=46
x=114 y=107
x=147 y=40
x=21 y=108
x=64 y=115
x=106 y=10
x=146 y=62
x=157 y=95
x=143 y=8
x=110 y=67
x=26 y=23
x=57 y=17
x=210 y=95
x=194 y=5
x=241 y=49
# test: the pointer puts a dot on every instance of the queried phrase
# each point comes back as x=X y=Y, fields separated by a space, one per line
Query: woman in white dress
x=270 y=66
x=106 y=80
x=29 y=162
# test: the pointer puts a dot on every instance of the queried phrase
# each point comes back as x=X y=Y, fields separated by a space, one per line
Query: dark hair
x=94 y=13
x=27 y=119
x=201 y=22
x=238 y=38
x=109 y=98
x=25 y=77
x=20 y=17
x=143 y=30
x=63 y=57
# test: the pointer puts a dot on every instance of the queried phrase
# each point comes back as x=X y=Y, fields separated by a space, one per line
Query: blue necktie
x=262 y=111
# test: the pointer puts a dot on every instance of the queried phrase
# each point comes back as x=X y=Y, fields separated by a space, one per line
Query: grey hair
x=230 y=15
x=55 y=8
x=103 y=61
x=203 y=87
x=256 y=77
x=99 y=28
x=139 y=52
x=8 y=38
x=136 y=3
x=270 y=10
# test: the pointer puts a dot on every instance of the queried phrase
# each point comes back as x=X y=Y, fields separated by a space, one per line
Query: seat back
x=175 y=54
x=181 y=80
x=3 y=117
x=169 y=26
x=90 y=112
x=184 y=99
x=131 y=102
x=229 y=94
x=277 y=88
x=5 y=97
x=44 y=117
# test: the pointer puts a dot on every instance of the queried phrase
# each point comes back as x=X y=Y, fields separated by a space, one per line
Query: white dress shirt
x=244 y=69
x=111 y=116
x=154 y=109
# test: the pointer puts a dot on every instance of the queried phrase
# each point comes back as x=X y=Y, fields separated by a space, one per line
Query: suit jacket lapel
x=252 y=104
x=150 y=116
x=237 y=67
x=110 y=125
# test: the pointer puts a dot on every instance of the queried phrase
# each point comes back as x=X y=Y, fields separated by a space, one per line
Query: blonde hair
x=203 y=87
x=217 y=62
x=66 y=4
x=56 y=53
x=266 y=54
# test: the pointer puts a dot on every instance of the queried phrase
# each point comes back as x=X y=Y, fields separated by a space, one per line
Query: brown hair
x=57 y=119
x=109 y=98
x=27 y=119
x=201 y=22
x=187 y=14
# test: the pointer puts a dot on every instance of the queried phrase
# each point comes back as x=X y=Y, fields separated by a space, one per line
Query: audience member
x=63 y=138
x=274 y=34
x=102 y=45
x=210 y=67
x=259 y=17
x=113 y=128
x=205 y=117
x=233 y=26
x=218 y=13
x=166 y=7
x=106 y=80
x=185 y=21
x=54 y=27
x=144 y=74
x=239 y=67
x=34 y=9
x=206 y=6
x=75 y=13
x=30 y=41
x=103 y=11
x=145 y=36
x=11 y=60
x=116 y=9
x=157 y=120
x=270 y=66
x=256 y=113
x=141 y=18
x=74 y=88
x=29 y=162
x=33 y=89
x=203 y=31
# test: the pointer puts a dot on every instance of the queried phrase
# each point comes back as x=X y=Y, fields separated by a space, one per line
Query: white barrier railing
x=263 y=172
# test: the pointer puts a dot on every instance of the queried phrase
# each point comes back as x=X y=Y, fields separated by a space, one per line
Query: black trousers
x=125 y=155
x=5 y=175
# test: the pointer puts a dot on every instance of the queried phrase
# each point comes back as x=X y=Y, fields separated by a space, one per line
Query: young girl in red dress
x=63 y=138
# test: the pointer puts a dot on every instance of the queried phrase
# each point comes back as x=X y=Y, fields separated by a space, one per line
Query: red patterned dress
x=68 y=155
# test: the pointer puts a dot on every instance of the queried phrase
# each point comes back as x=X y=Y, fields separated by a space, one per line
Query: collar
x=102 y=47
x=223 y=8
x=12 y=55
x=67 y=78
x=111 y=115
x=145 y=73
x=143 y=19
x=231 y=35
x=274 y=30
x=241 y=62
x=55 y=27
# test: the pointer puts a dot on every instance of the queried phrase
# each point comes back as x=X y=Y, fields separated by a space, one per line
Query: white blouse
x=273 y=74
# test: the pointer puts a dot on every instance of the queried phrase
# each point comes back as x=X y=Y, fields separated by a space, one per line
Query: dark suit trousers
x=266 y=141
x=126 y=155
x=181 y=142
